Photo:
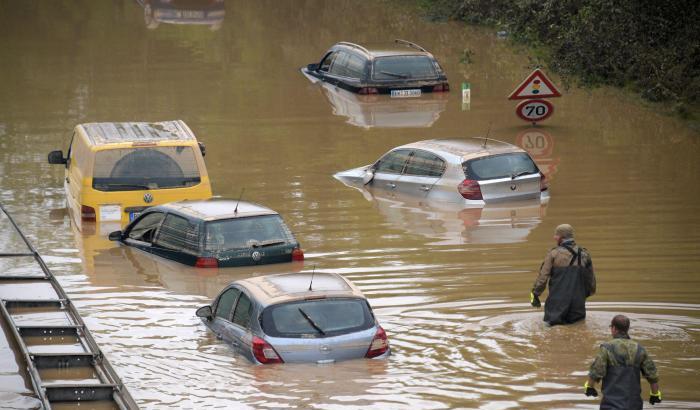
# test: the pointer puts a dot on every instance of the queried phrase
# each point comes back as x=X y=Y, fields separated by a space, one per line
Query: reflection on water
x=383 y=111
x=452 y=299
x=197 y=12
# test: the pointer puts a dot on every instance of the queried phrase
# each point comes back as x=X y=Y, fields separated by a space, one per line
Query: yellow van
x=115 y=170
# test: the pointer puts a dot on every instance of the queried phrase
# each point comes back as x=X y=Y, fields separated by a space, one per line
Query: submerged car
x=115 y=170
x=213 y=233
x=472 y=171
x=296 y=317
x=401 y=69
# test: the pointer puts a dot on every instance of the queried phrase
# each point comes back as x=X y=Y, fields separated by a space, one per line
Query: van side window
x=241 y=316
x=145 y=228
x=175 y=234
x=423 y=163
x=393 y=162
x=225 y=303
x=326 y=63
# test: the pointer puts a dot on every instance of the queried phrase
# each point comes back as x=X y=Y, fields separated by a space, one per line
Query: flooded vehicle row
x=447 y=281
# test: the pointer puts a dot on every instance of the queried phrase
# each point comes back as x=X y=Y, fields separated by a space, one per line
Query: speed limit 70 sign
x=534 y=110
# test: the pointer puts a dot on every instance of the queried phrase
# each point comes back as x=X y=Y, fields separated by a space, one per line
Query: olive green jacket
x=624 y=347
x=561 y=257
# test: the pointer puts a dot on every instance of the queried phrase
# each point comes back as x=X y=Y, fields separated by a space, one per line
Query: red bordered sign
x=534 y=110
x=536 y=85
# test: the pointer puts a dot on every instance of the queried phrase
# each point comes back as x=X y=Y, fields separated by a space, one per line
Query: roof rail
x=353 y=45
x=410 y=44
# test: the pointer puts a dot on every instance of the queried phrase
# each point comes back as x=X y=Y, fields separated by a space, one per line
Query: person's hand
x=535 y=300
x=655 y=398
x=590 y=391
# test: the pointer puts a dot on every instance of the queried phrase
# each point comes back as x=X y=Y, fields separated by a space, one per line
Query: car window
x=179 y=234
x=334 y=316
x=225 y=303
x=355 y=66
x=241 y=316
x=400 y=67
x=393 y=162
x=129 y=169
x=425 y=164
x=326 y=63
x=499 y=166
x=238 y=233
x=339 y=66
x=145 y=228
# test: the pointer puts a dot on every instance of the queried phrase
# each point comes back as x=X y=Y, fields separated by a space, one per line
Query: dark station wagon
x=401 y=69
x=213 y=233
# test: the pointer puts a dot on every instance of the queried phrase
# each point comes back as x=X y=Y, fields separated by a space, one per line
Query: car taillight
x=87 y=213
x=543 y=182
x=442 y=87
x=470 y=189
x=264 y=353
x=297 y=254
x=379 y=345
x=368 y=90
x=203 y=262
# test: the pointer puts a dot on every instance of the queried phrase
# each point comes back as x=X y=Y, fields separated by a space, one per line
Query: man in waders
x=619 y=363
x=568 y=270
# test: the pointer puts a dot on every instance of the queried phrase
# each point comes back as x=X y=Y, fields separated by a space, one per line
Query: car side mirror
x=312 y=67
x=204 y=312
x=115 y=236
x=368 y=176
x=56 y=157
x=202 y=148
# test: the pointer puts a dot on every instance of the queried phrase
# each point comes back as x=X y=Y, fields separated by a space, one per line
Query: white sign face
x=534 y=110
x=110 y=213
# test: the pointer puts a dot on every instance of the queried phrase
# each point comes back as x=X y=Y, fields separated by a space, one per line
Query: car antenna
x=235 y=211
x=488 y=131
x=312 y=278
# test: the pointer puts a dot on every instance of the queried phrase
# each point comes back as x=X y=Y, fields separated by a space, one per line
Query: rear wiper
x=268 y=243
x=311 y=321
x=394 y=74
x=521 y=173
x=136 y=186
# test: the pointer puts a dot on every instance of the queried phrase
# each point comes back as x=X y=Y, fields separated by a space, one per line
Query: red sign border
x=531 y=77
x=518 y=109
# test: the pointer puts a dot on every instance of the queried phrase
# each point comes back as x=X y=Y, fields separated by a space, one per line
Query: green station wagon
x=213 y=233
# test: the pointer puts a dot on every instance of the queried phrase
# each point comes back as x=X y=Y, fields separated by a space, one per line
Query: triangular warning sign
x=536 y=85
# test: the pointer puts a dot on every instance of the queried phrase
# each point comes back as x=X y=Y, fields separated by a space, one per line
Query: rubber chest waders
x=566 y=302
x=621 y=384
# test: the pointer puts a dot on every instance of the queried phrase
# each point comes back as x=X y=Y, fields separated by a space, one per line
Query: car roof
x=464 y=149
x=286 y=287
x=218 y=208
x=395 y=48
x=103 y=133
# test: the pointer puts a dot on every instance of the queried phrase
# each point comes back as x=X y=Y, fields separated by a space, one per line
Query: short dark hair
x=621 y=323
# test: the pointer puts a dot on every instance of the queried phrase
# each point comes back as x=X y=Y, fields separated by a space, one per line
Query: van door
x=388 y=170
x=423 y=170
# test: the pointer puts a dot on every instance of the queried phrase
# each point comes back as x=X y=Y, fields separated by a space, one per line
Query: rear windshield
x=131 y=169
x=317 y=318
x=500 y=166
x=254 y=231
x=403 y=67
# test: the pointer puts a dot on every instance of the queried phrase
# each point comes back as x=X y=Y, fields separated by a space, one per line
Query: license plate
x=110 y=213
x=192 y=14
x=405 y=93
x=133 y=215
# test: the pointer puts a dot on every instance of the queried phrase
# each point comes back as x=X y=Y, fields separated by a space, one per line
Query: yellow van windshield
x=138 y=168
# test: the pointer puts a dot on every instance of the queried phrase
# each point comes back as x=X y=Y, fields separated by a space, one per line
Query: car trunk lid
x=523 y=187
x=323 y=349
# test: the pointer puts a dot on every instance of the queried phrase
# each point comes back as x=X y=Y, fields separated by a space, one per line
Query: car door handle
x=424 y=188
x=391 y=185
x=67 y=180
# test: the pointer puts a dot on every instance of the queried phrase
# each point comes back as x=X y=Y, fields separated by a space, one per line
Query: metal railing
x=108 y=386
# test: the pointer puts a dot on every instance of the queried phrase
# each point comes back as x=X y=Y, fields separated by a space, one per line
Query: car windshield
x=403 y=67
x=140 y=168
x=317 y=318
x=248 y=232
x=500 y=166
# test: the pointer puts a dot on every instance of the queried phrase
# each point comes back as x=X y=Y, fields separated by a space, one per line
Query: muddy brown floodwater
x=450 y=285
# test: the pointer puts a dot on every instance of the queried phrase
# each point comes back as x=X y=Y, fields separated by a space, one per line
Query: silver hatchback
x=296 y=317
x=471 y=171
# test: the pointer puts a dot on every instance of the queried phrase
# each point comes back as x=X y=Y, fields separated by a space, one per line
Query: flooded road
x=450 y=286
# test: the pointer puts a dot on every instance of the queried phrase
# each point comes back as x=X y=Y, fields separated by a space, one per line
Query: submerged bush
x=651 y=46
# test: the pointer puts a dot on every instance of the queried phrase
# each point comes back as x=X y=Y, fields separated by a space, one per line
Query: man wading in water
x=619 y=363
x=569 y=271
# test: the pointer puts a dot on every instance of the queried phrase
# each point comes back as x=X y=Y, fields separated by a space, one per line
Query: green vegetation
x=652 y=47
